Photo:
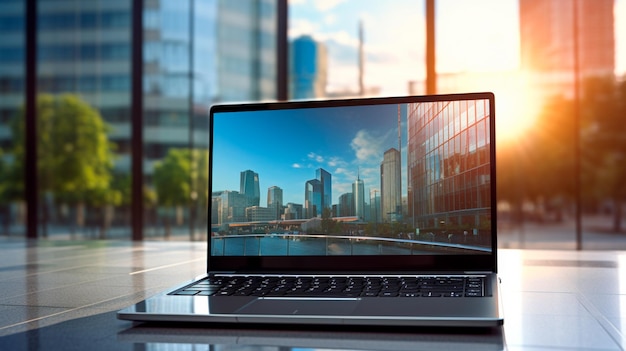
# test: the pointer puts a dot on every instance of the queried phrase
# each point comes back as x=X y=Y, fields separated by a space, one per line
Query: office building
x=308 y=68
x=449 y=180
x=391 y=186
x=375 y=209
x=358 y=192
x=249 y=187
x=231 y=207
x=345 y=207
x=293 y=211
x=260 y=214
x=313 y=198
x=275 y=201
x=325 y=179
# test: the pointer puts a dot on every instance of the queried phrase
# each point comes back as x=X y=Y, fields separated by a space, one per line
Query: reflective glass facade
x=247 y=70
x=327 y=195
x=312 y=198
x=449 y=166
x=192 y=54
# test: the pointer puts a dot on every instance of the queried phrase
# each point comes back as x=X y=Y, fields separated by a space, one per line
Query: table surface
x=64 y=295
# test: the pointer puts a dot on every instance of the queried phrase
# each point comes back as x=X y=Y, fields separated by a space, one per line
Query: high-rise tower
x=326 y=181
x=275 y=200
x=249 y=187
x=358 y=193
x=391 y=186
x=312 y=198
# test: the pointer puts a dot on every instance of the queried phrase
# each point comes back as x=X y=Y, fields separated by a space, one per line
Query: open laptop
x=376 y=211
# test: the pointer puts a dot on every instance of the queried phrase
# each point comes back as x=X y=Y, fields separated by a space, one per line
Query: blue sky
x=286 y=147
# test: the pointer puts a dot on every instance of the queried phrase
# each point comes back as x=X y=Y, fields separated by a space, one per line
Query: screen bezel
x=361 y=263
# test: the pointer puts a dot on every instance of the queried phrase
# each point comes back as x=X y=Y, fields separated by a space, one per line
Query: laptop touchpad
x=278 y=306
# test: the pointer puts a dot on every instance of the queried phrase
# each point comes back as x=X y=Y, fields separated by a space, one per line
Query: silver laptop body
x=377 y=211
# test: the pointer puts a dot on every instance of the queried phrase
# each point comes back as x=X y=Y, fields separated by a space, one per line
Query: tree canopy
x=181 y=179
x=74 y=155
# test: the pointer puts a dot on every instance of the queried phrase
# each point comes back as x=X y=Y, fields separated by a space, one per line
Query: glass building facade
x=192 y=54
x=449 y=166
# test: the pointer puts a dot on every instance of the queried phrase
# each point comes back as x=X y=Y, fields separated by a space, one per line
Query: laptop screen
x=399 y=177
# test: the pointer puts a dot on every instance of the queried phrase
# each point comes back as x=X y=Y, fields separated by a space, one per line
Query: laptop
x=365 y=211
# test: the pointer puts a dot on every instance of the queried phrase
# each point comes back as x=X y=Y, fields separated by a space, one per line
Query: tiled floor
x=64 y=294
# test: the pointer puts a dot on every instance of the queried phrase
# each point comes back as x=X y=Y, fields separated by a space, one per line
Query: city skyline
x=298 y=142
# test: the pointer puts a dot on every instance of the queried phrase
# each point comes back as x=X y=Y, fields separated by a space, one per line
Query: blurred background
x=103 y=103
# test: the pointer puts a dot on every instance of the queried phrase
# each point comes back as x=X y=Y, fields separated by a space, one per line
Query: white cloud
x=315 y=157
x=393 y=54
x=336 y=162
x=296 y=165
x=299 y=27
x=341 y=170
x=325 y=5
x=330 y=19
x=343 y=37
x=368 y=147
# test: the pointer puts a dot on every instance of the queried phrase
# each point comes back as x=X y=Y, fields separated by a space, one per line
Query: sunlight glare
x=517 y=107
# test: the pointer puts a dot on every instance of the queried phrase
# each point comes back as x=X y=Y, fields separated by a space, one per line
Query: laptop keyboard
x=334 y=287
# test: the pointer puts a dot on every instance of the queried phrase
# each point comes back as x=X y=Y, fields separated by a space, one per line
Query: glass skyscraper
x=249 y=187
x=275 y=201
x=391 y=186
x=327 y=193
x=313 y=198
x=358 y=191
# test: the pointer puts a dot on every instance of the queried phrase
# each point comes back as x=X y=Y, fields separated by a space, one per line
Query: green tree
x=74 y=155
x=604 y=148
x=181 y=179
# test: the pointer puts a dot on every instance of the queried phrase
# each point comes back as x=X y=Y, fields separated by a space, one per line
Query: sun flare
x=517 y=106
